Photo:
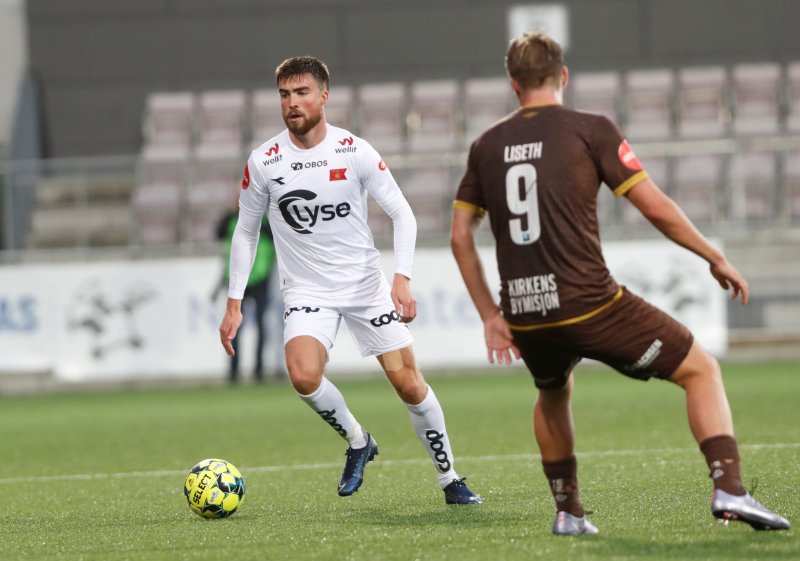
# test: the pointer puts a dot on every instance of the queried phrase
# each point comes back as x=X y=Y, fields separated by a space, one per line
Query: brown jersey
x=537 y=173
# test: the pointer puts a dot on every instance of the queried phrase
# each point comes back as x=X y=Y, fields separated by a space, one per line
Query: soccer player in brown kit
x=537 y=173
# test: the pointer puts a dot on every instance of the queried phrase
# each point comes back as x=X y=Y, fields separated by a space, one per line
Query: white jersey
x=316 y=200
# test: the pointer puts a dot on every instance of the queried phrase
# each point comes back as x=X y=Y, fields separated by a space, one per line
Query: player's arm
x=496 y=331
x=381 y=185
x=671 y=221
x=244 y=243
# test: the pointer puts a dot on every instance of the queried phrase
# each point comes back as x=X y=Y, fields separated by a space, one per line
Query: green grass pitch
x=99 y=476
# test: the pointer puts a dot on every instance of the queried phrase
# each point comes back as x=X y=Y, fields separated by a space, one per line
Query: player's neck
x=312 y=138
x=541 y=96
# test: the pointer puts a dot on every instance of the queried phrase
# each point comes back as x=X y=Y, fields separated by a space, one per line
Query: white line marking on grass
x=421 y=460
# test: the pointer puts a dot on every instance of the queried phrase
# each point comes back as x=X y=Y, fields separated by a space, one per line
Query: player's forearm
x=405 y=236
x=243 y=253
x=674 y=224
x=469 y=263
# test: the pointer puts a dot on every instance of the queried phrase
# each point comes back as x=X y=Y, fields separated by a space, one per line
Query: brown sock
x=563 y=478
x=722 y=457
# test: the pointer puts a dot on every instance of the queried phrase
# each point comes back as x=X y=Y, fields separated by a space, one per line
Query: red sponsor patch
x=273 y=150
x=382 y=165
x=246 y=179
x=338 y=174
x=627 y=157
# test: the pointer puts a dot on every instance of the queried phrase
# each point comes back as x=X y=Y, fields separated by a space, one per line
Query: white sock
x=328 y=402
x=427 y=419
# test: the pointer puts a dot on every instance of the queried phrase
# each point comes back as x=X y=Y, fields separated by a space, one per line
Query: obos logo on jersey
x=300 y=217
x=627 y=157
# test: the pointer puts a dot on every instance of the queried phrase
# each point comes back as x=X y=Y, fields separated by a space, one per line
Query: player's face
x=302 y=103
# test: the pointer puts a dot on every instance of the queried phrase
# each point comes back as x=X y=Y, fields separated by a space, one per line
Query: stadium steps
x=72 y=212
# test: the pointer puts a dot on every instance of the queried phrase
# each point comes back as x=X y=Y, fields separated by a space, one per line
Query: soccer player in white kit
x=313 y=180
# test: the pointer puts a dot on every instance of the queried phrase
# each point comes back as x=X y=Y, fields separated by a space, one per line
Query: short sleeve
x=469 y=195
x=616 y=162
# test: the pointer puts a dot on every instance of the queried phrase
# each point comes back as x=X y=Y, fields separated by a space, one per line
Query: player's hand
x=499 y=342
x=728 y=277
x=230 y=325
x=404 y=302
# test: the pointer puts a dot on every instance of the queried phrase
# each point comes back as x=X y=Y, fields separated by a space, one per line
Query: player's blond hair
x=533 y=59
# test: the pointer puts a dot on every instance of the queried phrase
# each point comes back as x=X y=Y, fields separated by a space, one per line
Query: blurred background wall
x=13 y=59
x=97 y=59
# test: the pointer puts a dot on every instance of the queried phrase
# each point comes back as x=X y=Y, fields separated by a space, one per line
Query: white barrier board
x=151 y=319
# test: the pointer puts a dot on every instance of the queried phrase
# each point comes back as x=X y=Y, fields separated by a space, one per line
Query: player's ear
x=564 y=77
x=324 y=96
x=515 y=86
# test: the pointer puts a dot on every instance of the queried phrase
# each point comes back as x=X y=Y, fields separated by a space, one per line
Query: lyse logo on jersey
x=338 y=174
x=246 y=178
x=301 y=217
x=627 y=157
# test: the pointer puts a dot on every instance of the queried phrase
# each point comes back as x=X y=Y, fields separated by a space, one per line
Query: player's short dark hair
x=299 y=65
x=533 y=59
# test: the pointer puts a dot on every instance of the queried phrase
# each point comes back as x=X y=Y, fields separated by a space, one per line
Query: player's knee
x=305 y=378
x=698 y=366
x=412 y=387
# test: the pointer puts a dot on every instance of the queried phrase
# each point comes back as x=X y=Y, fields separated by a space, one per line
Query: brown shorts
x=632 y=336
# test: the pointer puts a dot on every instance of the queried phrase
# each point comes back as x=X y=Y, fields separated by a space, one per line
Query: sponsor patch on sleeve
x=382 y=165
x=627 y=157
x=246 y=178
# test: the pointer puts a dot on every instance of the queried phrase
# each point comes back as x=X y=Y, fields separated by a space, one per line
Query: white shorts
x=375 y=325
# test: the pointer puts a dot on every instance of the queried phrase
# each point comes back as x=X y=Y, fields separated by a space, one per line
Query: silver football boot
x=746 y=509
x=569 y=525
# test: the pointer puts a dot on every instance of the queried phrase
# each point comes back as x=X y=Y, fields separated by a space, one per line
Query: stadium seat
x=216 y=175
x=486 y=100
x=382 y=114
x=649 y=104
x=697 y=181
x=222 y=115
x=430 y=192
x=266 y=116
x=159 y=193
x=434 y=122
x=169 y=118
x=752 y=185
x=791 y=178
x=597 y=92
x=793 y=96
x=702 y=99
x=756 y=98
x=339 y=111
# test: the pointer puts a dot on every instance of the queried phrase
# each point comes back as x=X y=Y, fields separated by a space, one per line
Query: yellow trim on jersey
x=474 y=209
x=630 y=182
x=535 y=105
x=569 y=321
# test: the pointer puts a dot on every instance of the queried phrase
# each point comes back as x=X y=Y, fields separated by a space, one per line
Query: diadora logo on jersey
x=385 y=319
x=347 y=146
x=338 y=174
x=627 y=157
x=278 y=180
x=301 y=217
x=382 y=165
x=522 y=152
x=246 y=178
x=274 y=157
x=435 y=439
x=297 y=166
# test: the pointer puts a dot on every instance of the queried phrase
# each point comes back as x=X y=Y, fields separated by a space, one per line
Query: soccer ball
x=214 y=488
